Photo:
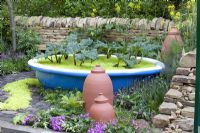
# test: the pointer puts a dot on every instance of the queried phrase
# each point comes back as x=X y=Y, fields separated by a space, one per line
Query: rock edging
x=177 y=110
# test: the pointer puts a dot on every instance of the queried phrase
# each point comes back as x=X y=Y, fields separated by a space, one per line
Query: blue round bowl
x=52 y=77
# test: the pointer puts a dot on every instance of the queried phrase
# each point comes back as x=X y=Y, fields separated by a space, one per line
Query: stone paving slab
x=6 y=127
x=13 y=77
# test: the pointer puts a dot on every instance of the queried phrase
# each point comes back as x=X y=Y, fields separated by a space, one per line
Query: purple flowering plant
x=85 y=116
x=29 y=119
x=136 y=125
x=57 y=122
x=97 y=128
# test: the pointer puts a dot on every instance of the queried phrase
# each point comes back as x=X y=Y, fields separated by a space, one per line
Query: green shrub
x=2 y=46
x=91 y=8
x=144 y=99
x=64 y=100
x=185 y=19
x=12 y=65
x=171 y=59
x=27 y=41
x=5 y=32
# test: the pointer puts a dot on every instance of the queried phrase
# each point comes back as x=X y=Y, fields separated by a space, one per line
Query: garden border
x=7 y=127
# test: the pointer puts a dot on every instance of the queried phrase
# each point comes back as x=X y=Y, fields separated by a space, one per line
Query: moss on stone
x=20 y=95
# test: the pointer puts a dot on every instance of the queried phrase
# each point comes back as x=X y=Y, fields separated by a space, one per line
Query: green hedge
x=87 y=8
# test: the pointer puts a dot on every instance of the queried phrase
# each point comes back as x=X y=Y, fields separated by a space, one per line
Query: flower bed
x=67 y=113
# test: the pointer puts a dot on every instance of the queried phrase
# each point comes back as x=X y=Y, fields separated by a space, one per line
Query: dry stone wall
x=54 y=30
x=177 y=110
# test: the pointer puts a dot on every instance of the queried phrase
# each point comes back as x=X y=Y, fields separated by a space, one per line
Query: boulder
x=153 y=23
x=167 y=108
x=188 y=112
x=172 y=93
x=188 y=60
x=161 y=121
x=183 y=71
x=192 y=96
x=188 y=88
x=184 y=79
x=187 y=124
x=179 y=105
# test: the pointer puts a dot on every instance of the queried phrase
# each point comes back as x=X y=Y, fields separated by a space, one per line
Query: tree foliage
x=92 y=8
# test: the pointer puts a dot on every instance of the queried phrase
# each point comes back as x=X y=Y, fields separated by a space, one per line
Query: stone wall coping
x=68 y=22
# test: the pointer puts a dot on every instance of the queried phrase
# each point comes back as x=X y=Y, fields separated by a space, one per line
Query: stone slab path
x=36 y=104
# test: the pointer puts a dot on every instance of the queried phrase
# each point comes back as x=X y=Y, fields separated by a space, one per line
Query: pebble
x=179 y=105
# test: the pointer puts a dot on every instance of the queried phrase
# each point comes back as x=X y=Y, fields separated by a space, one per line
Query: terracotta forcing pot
x=173 y=35
x=102 y=110
x=97 y=82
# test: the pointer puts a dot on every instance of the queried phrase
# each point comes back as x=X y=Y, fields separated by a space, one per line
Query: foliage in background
x=171 y=58
x=5 y=34
x=27 y=41
x=13 y=65
x=20 y=95
x=185 y=20
x=25 y=36
x=143 y=100
x=92 y=8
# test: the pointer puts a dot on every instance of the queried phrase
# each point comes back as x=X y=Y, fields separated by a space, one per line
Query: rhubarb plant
x=81 y=50
x=53 y=50
x=73 y=46
x=108 y=48
x=91 y=55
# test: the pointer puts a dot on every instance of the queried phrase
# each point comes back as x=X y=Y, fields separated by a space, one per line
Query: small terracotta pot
x=97 y=82
x=102 y=110
x=173 y=35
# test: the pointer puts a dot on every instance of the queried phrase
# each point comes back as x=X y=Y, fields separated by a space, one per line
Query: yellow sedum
x=20 y=95
x=107 y=64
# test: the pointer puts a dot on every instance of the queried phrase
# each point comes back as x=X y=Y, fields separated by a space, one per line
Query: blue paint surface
x=57 y=80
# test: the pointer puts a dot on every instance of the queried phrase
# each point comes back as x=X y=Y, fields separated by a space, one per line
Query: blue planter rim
x=159 y=66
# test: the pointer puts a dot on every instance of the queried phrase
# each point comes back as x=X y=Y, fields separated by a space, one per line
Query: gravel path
x=36 y=104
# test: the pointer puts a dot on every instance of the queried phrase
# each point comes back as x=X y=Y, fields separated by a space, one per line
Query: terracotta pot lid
x=101 y=98
x=98 y=69
x=173 y=31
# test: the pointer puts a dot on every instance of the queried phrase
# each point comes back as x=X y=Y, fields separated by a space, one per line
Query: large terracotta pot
x=173 y=35
x=102 y=110
x=97 y=82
